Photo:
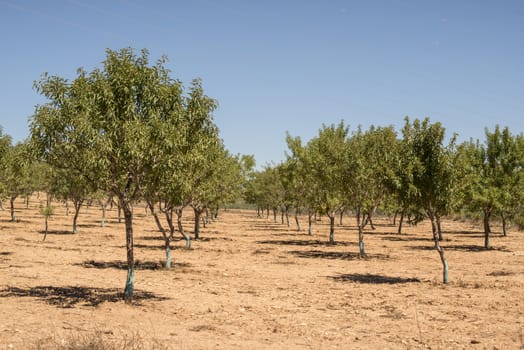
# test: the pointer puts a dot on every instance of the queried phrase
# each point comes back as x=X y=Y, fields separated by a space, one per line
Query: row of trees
x=130 y=132
x=419 y=175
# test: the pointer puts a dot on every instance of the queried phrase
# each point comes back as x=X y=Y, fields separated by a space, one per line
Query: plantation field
x=252 y=284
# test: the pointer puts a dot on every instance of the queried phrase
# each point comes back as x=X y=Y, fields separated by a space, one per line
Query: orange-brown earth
x=253 y=284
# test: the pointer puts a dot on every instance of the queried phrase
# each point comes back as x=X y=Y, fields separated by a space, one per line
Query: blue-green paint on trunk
x=446 y=269
x=362 y=248
x=168 y=256
x=188 y=242
x=130 y=283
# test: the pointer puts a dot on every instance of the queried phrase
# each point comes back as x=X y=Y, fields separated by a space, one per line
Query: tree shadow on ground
x=57 y=232
x=97 y=225
x=306 y=243
x=208 y=239
x=318 y=254
x=139 y=265
x=154 y=247
x=69 y=297
x=176 y=238
x=271 y=229
x=406 y=238
x=6 y=253
x=464 y=248
x=373 y=279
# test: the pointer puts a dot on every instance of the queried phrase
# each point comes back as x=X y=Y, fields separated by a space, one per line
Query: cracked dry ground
x=253 y=284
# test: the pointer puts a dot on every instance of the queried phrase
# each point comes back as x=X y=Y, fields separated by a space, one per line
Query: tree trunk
x=360 y=225
x=296 y=219
x=167 y=239
x=282 y=215
x=439 y=228
x=341 y=215
x=395 y=218
x=67 y=208
x=12 y=203
x=179 y=212
x=504 y=225
x=487 y=216
x=287 y=217
x=46 y=229
x=48 y=203
x=197 y=223
x=487 y=229
x=439 y=249
x=332 y=228
x=275 y=215
x=78 y=205
x=310 y=222
x=130 y=280
x=401 y=220
x=1 y=205
x=119 y=208
x=103 y=221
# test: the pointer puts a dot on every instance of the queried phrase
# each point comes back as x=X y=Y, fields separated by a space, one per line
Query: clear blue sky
x=277 y=66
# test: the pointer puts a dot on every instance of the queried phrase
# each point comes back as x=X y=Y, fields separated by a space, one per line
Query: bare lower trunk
x=167 y=238
x=439 y=249
x=504 y=225
x=119 y=208
x=296 y=219
x=310 y=223
x=103 y=221
x=181 y=227
x=78 y=205
x=395 y=218
x=130 y=280
x=12 y=204
x=487 y=229
x=341 y=215
x=401 y=220
x=331 y=228
x=360 y=226
x=275 y=215
x=439 y=228
x=197 y=223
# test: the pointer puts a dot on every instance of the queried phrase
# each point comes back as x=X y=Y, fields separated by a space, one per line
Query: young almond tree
x=494 y=177
x=66 y=184
x=5 y=145
x=328 y=162
x=182 y=138
x=370 y=158
x=16 y=173
x=306 y=186
x=434 y=176
x=107 y=119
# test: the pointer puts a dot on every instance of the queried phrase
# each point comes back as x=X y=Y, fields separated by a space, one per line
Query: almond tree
x=434 y=177
x=306 y=185
x=5 y=145
x=328 y=159
x=370 y=163
x=107 y=119
x=183 y=136
x=494 y=177
x=15 y=173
